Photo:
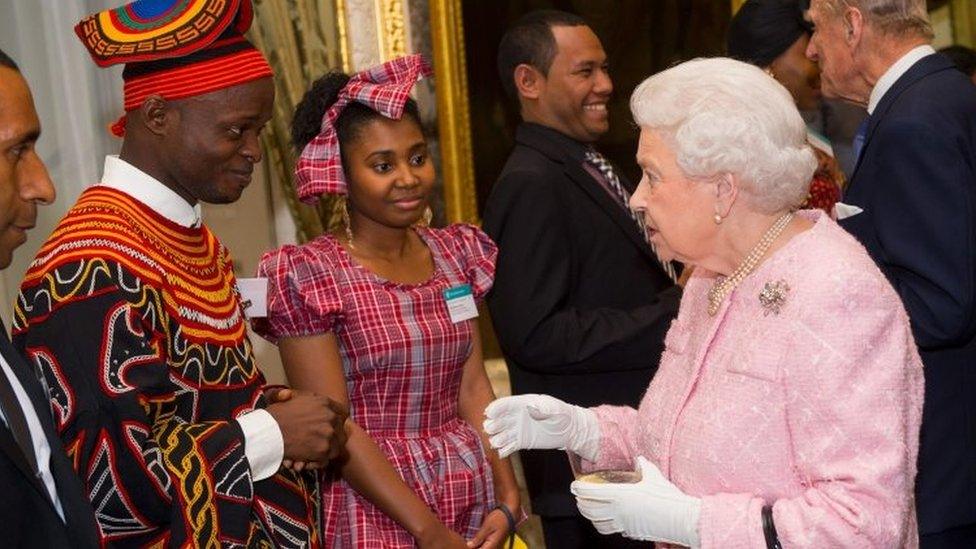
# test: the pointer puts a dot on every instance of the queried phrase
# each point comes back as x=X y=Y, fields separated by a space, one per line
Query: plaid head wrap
x=174 y=48
x=385 y=89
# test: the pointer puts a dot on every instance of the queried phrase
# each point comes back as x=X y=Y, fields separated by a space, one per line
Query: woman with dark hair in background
x=963 y=58
x=773 y=35
x=380 y=315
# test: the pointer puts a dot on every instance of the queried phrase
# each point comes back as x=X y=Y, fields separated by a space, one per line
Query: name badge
x=254 y=296
x=460 y=303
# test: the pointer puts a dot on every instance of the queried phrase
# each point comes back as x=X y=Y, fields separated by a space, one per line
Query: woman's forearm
x=369 y=473
x=313 y=364
x=474 y=396
x=472 y=403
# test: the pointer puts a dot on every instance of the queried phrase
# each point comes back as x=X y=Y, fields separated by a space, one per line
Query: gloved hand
x=650 y=510
x=541 y=422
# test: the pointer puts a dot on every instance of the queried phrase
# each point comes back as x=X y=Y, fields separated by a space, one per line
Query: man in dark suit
x=581 y=302
x=915 y=186
x=42 y=503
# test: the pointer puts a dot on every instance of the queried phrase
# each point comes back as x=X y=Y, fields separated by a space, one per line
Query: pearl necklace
x=724 y=286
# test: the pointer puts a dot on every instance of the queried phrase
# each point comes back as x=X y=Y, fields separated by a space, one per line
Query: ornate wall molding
x=373 y=31
x=361 y=34
x=392 y=28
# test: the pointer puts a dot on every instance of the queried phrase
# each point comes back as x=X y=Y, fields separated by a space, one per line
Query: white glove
x=650 y=510
x=541 y=422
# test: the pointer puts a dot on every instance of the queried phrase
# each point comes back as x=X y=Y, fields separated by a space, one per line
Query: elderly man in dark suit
x=42 y=503
x=581 y=302
x=913 y=206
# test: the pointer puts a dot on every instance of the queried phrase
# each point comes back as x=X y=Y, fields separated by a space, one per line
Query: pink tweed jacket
x=814 y=409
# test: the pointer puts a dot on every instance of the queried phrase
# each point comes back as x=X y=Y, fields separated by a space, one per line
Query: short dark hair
x=529 y=40
x=307 y=122
x=6 y=61
x=962 y=57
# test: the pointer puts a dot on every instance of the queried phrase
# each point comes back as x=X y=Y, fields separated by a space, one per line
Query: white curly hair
x=725 y=116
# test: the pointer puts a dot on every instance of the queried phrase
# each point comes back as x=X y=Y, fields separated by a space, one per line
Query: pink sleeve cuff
x=731 y=521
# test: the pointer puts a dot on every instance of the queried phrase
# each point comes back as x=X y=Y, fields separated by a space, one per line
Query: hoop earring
x=346 y=222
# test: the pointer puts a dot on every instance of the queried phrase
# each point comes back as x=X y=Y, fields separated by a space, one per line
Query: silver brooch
x=773 y=296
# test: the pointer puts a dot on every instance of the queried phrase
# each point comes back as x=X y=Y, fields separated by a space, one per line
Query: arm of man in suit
x=924 y=222
x=535 y=323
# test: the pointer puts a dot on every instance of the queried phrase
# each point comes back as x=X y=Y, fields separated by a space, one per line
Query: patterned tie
x=862 y=133
x=603 y=165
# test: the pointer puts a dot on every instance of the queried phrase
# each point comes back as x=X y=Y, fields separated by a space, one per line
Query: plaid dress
x=403 y=359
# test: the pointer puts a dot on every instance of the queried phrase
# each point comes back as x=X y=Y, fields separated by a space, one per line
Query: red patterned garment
x=137 y=326
x=828 y=181
x=403 y=360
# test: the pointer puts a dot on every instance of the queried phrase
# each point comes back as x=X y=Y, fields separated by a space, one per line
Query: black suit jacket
x=27 y=514
x=580 y=304
x=916 y=181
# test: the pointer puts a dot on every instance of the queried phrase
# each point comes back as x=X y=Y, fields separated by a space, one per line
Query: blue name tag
x=460 y=303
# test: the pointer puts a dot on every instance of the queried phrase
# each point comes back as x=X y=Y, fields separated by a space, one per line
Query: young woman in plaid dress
x=361 y=315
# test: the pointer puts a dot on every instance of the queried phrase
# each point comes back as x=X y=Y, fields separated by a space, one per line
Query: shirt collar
x=122 y=176
x=576 y=149
x=895 y=72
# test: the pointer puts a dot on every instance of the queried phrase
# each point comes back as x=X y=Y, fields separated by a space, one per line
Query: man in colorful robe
x=131 y=309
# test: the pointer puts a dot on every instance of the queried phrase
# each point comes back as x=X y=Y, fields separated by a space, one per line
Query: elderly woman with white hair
x=786 y=409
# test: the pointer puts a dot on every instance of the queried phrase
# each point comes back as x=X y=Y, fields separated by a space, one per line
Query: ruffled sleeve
x=302 y=295
x=477 y=256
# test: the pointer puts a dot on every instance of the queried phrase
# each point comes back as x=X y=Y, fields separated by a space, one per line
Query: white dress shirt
x=263 y=443
x=896 y=71
x=42 y=450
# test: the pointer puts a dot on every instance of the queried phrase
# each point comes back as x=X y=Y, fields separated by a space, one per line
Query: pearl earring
x=717 y=219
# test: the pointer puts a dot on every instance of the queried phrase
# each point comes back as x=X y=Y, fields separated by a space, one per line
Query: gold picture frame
x=453 y=111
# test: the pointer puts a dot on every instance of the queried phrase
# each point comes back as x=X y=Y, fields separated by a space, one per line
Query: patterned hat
x=174 y=48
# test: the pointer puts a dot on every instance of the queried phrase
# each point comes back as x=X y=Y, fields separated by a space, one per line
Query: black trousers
x=578 y=533
x=962 y=537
